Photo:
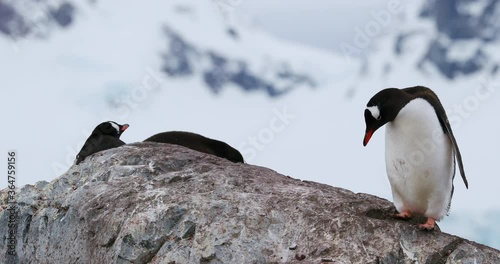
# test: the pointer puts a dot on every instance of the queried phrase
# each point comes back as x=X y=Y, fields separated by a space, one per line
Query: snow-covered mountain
x=198 y=41
x=467 y=35
x=455 y=38
x=186 y=65
x=23 y=19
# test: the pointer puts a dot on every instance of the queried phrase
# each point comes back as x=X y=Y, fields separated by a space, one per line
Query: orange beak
x=368 y=135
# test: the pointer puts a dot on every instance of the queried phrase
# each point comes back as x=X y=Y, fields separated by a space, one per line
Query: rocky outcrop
x=160 y=203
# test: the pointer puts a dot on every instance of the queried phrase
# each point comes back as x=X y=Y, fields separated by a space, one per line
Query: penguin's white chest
x=419 y=161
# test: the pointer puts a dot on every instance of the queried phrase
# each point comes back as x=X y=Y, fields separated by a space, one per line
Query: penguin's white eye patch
x=115 y=126
x=374 y=111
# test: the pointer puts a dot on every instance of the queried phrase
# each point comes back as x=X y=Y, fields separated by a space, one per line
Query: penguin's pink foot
x=429 y=225
x=403 y=215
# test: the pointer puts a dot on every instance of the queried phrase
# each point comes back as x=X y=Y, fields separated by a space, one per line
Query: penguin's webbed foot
x=429 y=225
x=405 y=215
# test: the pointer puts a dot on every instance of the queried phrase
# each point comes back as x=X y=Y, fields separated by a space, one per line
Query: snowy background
x=284 y=82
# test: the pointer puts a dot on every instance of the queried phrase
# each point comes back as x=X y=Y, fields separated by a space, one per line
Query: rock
x=160 y=203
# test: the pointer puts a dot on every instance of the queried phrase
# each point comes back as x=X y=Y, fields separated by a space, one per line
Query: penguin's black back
x=199 y=143
x=96 y=143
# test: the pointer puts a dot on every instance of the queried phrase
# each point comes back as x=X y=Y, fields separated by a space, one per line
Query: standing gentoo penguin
x=420 y=151
x=105 y=136
x=198 y=143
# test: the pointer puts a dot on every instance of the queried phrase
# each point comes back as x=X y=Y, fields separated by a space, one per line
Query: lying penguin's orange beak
x=124 y=127
x=368 y=135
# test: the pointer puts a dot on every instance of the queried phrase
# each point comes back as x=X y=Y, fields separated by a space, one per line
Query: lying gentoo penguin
x=420 y=151
x=105 y=136
x=199 y=143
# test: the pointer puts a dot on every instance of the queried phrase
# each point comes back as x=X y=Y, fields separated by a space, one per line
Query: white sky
x=323 y=23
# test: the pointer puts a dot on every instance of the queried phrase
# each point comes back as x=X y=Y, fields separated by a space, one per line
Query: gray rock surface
x=160 y=203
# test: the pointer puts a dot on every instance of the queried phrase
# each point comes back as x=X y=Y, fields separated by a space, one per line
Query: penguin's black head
x=110 y=128
x=383 y=107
